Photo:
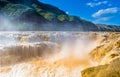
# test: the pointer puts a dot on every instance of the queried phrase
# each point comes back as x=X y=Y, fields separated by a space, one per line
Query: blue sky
x=97 y=11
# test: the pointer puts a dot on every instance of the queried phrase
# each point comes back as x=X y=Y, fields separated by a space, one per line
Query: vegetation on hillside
x=39 y=14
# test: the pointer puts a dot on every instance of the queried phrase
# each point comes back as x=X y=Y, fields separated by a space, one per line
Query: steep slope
x=34 y=15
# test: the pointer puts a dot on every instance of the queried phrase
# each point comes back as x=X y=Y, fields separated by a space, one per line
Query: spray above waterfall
x=56 y=49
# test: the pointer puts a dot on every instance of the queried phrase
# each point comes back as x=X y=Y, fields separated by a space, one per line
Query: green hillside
x=34 y=15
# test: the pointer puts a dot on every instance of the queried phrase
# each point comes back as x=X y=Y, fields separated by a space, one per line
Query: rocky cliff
x=107 y=54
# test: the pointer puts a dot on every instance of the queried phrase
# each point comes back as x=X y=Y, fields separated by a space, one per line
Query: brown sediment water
x=45 y=54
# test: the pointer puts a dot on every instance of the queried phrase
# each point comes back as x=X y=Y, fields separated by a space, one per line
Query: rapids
x=45 y=54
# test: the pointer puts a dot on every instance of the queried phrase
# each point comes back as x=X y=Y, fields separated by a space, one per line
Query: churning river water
x=45 y=53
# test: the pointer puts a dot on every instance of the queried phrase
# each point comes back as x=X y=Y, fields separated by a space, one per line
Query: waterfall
x=44 y=54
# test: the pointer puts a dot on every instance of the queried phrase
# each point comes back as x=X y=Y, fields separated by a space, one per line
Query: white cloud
x=102 y=19
x=67 y=12
x=101 y=12
x=93 y=4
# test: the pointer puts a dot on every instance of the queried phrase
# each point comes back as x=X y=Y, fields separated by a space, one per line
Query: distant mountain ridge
x=103 y=27
x=34 y=15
